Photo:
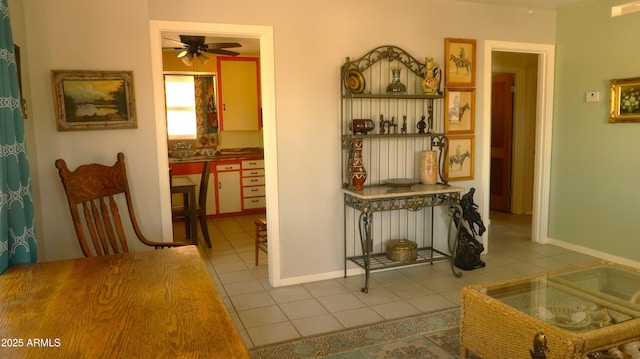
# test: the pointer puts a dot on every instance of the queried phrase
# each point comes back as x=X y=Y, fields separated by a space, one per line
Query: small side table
x=184 y=185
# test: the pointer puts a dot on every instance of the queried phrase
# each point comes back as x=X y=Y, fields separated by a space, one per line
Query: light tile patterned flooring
x=265 y=315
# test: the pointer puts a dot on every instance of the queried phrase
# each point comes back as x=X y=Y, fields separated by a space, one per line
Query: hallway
x=265 y=315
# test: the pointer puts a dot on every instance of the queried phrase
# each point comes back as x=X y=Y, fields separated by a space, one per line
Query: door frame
x=267 y=79
x=544 y=122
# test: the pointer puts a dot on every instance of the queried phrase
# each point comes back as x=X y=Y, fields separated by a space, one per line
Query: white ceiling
x=252 y=46
x=533 y=4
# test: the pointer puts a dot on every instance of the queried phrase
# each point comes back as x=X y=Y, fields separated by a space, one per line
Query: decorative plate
x=354 y=81
x=401 y=182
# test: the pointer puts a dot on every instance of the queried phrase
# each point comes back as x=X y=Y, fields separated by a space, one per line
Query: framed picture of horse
x=460 y=111
x=459 y=159
x=460 y=62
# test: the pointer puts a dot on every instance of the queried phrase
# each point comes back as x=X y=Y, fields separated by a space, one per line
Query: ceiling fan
x=194 y=47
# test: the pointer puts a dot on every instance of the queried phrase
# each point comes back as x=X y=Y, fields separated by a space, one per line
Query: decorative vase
x=431 y=82
x=396 y=86
x=429 y=167
x=356 y=168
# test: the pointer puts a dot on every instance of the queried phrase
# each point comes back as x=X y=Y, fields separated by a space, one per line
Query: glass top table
x=577 y=310
x=577 y=300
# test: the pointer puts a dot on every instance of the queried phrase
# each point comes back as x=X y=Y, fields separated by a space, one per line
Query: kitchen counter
x=231 y=154
x=237 y=183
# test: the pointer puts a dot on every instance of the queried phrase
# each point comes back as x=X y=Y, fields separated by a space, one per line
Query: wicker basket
x=402 y=250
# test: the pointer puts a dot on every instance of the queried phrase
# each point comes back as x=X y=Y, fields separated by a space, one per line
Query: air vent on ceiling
x=625 y=9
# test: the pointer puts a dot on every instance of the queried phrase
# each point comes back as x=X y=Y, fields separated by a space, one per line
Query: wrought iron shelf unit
x=392 y=96
x=392 y=135
x=388 y=151
x=380 y=261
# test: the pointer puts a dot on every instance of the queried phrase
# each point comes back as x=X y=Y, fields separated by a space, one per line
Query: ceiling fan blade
x=168 y=39
x=223 y=52
x=222 y=45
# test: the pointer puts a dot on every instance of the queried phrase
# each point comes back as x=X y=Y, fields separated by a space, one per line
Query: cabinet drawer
x=253 y=191
x=252 y=181
x=253 y=173
x=258 y=202
x=246 y=164
x=227 y=166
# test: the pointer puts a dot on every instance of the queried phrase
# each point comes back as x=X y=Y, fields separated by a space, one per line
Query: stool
x=261 y=236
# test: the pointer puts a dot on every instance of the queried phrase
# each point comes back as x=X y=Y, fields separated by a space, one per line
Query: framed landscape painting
x=460 y=62
x=93 y=100
x=460 y=158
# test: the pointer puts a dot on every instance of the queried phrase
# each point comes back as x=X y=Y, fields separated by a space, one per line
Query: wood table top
x=155 y=304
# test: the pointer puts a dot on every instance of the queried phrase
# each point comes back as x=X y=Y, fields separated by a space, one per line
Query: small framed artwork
x=460 y=111
x=460 y=62
x=625 y=100
x=93 y=100
x=460 y=158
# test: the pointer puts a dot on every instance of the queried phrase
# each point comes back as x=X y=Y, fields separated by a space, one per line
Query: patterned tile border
x=361 y=337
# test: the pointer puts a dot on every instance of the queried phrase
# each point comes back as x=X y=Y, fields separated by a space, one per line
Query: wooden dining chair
x=260 y=238
x=91 y=192
x=201 y=206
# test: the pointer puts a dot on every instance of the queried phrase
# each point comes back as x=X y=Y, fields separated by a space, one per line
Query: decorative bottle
x=356 y=168
x=396 y=86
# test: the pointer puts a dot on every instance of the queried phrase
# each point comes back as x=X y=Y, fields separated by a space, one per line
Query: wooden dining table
x=155 y=304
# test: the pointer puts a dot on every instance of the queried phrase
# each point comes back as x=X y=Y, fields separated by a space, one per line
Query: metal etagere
x=406 y=122
x=392 y=149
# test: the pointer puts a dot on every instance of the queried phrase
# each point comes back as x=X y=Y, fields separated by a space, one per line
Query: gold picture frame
x=93 y=100
x=460 y=158
x=460 y=62
x=625 y=100
x=460 y=111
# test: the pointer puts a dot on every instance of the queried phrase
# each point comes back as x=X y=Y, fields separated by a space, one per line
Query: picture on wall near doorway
x=460 y=113
x=625 y=100
x=460 y=62
x=459 y=159
x=93 y=100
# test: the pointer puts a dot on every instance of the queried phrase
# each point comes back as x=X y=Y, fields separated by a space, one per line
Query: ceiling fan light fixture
x=183 y=54
x=203 y=59
x=187 y=60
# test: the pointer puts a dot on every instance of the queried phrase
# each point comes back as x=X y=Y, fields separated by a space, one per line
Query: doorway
x=267 y=79
x=513 y=131
x=542 y=118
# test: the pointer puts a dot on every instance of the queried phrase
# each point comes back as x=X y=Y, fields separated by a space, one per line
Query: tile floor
x=265 y=315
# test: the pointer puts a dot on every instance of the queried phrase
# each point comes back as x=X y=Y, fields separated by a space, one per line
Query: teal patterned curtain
x=17 y=232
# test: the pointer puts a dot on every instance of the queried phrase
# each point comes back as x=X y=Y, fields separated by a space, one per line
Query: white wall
x=311 y=42
x=89 y=35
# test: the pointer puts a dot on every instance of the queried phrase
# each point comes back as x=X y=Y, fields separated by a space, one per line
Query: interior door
x=501 y=135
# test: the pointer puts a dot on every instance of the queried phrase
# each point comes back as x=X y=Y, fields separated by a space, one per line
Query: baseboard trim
x=594 y=253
